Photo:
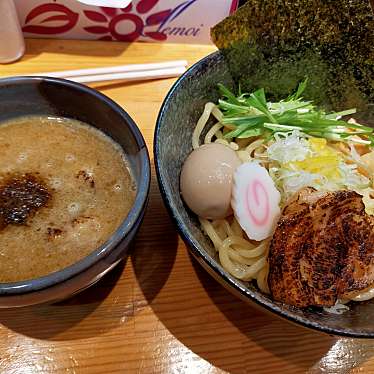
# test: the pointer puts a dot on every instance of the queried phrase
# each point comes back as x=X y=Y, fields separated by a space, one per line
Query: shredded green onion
x=251 y=115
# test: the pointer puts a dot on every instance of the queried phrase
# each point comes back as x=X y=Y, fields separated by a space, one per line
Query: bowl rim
x=198 y=251
x=138 y=207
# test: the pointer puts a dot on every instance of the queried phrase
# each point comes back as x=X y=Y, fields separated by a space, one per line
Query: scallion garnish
x=251 y=115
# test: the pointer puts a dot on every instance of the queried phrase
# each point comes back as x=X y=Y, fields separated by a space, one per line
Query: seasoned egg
x=206 y=180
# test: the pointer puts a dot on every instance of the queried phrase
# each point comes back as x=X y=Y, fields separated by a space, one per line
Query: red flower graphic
x=113 y=17
x=58 y=12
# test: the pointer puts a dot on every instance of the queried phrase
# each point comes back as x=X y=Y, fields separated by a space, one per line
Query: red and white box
x=178 y=21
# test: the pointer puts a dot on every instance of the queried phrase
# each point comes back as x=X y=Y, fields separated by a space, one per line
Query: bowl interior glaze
x=172 y=143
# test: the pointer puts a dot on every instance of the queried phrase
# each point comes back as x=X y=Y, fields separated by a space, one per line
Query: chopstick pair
x=130 y=72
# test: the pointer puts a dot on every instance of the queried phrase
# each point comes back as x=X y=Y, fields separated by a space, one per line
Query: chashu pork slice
x=322 y=249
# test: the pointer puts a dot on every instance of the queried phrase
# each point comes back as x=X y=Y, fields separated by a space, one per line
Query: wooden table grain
x=159 y=312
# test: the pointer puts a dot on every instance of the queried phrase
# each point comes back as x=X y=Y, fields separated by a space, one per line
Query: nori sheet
x=275 y=44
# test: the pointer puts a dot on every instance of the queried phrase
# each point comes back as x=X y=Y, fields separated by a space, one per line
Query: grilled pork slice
x=322 y=249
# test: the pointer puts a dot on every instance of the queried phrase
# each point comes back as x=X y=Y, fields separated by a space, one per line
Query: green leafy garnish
x=249 y=115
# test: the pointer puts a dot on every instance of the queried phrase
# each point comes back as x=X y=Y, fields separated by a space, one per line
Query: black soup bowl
x=22 y=96
x=172 y=143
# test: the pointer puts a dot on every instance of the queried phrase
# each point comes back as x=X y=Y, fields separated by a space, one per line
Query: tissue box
x=178 y=21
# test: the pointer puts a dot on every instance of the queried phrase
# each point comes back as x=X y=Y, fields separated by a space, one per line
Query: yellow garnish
x=324 y=160
x=324 y=165
x=317 y=144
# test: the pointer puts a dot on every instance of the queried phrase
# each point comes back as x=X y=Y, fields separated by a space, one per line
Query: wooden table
x=160 y=312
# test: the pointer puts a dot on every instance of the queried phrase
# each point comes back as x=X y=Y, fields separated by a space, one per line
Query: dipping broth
x=65 y=187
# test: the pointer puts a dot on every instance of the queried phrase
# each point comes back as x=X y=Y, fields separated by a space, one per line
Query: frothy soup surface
x=65 y=187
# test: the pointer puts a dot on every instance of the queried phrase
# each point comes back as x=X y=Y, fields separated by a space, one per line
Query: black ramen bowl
x=172 y=144
x=56 y=97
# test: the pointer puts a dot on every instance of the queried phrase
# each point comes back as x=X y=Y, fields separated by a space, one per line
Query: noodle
x=253 y=146
x=235 y=227
x=210 y=108
x=201 y=124
x=227 y=227
x=211 y=232
x=239 y=270
x=212 y=132
x=244 y=156
x=262 y=279
x=242 y=258
x=223 y=141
